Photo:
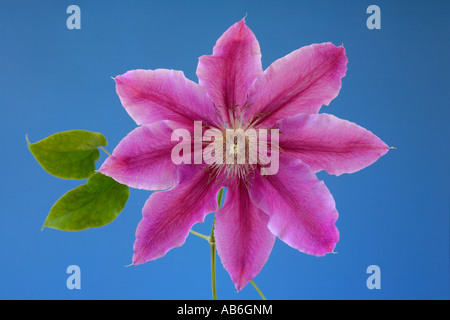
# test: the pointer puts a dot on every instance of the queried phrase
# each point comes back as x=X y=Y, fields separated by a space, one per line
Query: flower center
x=237 y=149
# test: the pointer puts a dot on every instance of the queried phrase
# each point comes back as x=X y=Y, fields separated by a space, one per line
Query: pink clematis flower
x=234 y=92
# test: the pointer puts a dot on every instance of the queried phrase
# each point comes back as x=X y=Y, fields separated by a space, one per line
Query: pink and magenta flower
x=234 y=92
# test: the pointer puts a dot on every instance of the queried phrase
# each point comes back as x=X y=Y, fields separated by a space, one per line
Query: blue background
x=394 y=214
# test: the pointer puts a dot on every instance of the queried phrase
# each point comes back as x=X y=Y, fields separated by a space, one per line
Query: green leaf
x=94 y=204
x=69 y=154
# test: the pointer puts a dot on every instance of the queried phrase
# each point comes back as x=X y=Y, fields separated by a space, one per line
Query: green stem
x=213 y=270
x=109 y=154
x=257 y=289
x=199 y=235
x=212 y=244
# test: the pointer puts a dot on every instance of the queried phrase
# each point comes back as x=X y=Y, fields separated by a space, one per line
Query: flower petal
x=154 y=95
x=300 y=82
x=229 y=73
x=169 y=215
x=301 y=209
x=243 y=240
x=325 y=142
x=143 y=159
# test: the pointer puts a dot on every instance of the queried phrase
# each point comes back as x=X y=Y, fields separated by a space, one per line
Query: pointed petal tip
x=118 y=79
x=325 y=249
x=138 y=259
x=239 y=287
x=384 y=148
x=240 y=283
x=135 y=260
x=105 y=167
x=122 y=78
x=239 y=26
x=340 y=50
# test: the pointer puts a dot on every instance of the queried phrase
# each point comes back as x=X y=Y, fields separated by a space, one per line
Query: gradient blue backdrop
x=394 y=214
